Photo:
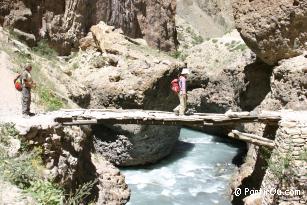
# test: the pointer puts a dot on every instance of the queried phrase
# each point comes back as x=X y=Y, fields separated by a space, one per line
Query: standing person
x=180 y=109
x=27 y=84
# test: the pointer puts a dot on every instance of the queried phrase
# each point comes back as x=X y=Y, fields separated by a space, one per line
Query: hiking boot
x=176 y=112
x=31 y=114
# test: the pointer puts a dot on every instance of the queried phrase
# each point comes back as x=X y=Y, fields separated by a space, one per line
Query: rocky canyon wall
x=63 y=23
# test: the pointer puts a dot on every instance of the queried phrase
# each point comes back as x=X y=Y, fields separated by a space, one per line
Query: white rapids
x=197 y=172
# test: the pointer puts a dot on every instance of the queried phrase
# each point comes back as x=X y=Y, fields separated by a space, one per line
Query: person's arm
x=183 y=86
x=29 y=82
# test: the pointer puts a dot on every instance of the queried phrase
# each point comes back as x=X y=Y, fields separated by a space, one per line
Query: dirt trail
x=10 y=102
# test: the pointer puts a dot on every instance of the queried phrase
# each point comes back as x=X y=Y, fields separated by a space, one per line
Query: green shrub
x=46 y=192
x=81 y=193
x=49 y=99
x=6 y=131
x=99 y=61
x=281 y=166
x=189 y=29
x=19 y=170
x=241 y=47
x=44 y=50
x=197 y=39
x=75 y=65
x=25 y=171
x=179 y=55
x=214 y=40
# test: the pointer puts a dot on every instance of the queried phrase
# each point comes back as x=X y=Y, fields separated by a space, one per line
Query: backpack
x=175 y=86
x=17 y=82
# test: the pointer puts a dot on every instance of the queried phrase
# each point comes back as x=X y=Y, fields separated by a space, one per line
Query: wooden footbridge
x=147 y=117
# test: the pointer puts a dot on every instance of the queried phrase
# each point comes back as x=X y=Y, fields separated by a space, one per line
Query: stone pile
x=291 y=143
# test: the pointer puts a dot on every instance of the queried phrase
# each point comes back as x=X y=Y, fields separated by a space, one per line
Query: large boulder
x=274 y=30
x=129 y=145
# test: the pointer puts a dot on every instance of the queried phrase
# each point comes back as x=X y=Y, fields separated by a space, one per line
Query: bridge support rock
x=67 y=154
x=130 y=145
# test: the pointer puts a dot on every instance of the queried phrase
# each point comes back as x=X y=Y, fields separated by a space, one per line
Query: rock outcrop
x=124 y=72
x=288 y=86
x=215 y=84
x=274 y=30
x=65 y=22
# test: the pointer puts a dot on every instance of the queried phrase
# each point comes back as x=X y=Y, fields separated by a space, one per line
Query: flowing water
x=197 y=172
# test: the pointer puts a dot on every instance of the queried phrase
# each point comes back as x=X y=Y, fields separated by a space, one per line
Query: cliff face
x=153 y=20
x=63 y=23
x=211 y=18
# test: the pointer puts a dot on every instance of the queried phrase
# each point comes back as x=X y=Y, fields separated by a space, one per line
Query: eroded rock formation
x=65 y=22
x=216 y=83
x=274 y=30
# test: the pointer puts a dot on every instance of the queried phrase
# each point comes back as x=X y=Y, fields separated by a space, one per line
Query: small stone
x=299 y=141
x=304 y=131
x=293 y=131
x=15 y=145
x=288 y=124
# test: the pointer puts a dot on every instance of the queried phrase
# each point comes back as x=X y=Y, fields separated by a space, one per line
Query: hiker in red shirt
x=180 y=109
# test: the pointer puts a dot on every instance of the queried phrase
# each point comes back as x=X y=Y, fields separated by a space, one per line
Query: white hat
x=185 y=71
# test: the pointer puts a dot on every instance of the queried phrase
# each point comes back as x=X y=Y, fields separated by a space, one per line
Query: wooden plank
x=253 y=140
x=252 y=136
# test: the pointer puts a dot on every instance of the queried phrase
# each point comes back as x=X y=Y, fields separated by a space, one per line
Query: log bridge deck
x=148 y=117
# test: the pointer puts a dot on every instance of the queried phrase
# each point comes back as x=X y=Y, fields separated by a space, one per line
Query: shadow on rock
x=256 y=85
